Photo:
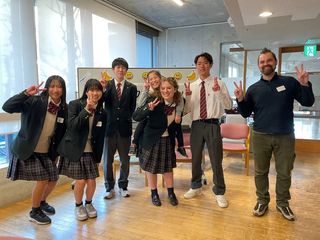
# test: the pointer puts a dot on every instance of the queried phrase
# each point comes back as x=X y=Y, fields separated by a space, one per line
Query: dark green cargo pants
x=282 y=147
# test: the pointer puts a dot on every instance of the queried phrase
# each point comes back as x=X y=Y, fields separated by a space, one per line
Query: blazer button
x=118 y=118
x=118 y=108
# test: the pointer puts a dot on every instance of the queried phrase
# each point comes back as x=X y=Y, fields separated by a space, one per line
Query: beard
x=267 y=70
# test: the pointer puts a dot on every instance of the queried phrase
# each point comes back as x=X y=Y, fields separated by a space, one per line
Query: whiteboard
x=135 y=75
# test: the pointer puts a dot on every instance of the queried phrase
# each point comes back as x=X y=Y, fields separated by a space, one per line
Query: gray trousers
x=208 y=133
x=111 y=144
x=282 y=146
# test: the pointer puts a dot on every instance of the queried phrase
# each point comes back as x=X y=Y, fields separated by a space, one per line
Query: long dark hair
x=172 y=82
x=92 y=84
x=63 y=85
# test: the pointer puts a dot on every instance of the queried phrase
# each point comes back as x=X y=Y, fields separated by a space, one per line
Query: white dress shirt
x=216 y=101
x=122 y=84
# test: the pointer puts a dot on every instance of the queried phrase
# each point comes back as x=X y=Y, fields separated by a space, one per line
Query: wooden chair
x=237 y=131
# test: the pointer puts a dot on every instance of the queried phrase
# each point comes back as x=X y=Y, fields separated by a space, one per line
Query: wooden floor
x=199 y=218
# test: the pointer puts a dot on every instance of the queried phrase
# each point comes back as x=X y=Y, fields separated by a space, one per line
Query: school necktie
x=92 y=112
x=119 y=90
x=53 y=108
x=203 y=103
x=168 y=109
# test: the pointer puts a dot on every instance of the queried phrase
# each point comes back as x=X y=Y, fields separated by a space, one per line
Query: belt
x=210 y=120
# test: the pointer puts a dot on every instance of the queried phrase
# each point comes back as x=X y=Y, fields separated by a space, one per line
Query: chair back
x=234 y=130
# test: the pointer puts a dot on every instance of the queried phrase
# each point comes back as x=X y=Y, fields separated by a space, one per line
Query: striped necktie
x=119 y=90
x=203 y=103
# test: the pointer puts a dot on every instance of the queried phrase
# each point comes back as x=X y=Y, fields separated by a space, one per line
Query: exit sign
x=310 y=50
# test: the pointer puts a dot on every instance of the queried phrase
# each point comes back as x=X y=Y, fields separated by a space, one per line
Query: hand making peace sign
x=35 y=89
x=215 y=86
x=238 y=92
x=303 y=76
x=153 y=104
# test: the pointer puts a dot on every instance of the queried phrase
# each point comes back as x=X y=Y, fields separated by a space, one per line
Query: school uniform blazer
x=119 y=113
x=156 y=124
x=33 y=110
x=74 y=141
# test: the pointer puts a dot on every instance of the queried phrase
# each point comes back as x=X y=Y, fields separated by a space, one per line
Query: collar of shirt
x=199 y=81
x=171 y=104
x=50 y=100
x=122 y=84
x=275 y=76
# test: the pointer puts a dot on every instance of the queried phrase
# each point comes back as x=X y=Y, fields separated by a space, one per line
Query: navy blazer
x=33 y=111
x=156 y=124
x=74 y=141
x=119 y=113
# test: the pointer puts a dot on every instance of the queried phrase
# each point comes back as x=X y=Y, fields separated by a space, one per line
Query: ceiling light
x=178 y=2
x=265 y=14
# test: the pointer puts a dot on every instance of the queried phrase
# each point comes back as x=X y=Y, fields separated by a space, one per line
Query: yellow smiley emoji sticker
x=129 y=75
x=177 y=76
x=144 y=75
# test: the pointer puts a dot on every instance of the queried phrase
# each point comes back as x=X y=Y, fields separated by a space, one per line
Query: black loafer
x=156 y=200
x=173 y=199
x=182 y=151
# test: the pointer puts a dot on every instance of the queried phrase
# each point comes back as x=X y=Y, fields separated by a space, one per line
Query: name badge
x=99 y=124
x=281 y=88
x=60 y=120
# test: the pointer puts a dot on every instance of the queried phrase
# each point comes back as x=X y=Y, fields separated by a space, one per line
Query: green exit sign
x=310 y=50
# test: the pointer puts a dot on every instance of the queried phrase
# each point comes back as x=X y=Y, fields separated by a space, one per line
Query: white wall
x=178 y=47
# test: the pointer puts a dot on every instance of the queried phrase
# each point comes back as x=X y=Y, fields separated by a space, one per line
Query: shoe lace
x=41 y=214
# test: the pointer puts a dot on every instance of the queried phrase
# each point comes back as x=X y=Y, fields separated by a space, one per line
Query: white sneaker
x=192 y=193
x=124 y=193
x=81 y=213
x=109 y=194
x=92 y=212
x=222 y=201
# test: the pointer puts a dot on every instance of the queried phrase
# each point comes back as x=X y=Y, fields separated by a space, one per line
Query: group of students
x=79 y=132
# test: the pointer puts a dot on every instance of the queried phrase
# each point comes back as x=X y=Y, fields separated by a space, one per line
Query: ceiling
x=167 y=14
x=293 y=21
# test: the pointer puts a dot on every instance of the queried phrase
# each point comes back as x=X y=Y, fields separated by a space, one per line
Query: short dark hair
x=120 y=61
x=266 y=50
x=206 y=56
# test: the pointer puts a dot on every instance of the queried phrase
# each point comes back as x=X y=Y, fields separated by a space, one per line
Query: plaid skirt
x=85 y=168
x=38 y=167
x=160 y=158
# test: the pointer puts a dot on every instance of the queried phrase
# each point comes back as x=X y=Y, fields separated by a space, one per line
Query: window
x=54 y=37
x=147 y=38
x=17 y=48
x=231 y=64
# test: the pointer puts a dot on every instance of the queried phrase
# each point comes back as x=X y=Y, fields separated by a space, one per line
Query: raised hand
x=215 y=86
x=238 y=92
x=153 y=104
x=34 y=89
x=303 y=76
x=91 y=105
x=104 y=83
x=188 y=90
